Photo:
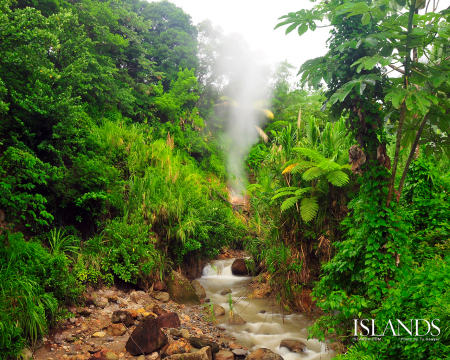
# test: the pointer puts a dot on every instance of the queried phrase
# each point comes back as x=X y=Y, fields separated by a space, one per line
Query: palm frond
x=261 y=133
x=289 y=168
x=287 y=188
x=303 y=165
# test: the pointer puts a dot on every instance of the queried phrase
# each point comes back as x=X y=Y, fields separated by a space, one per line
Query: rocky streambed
x=183 y=320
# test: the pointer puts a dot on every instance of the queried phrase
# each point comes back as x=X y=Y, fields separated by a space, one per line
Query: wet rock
x=240 y=354
x=202 y=354
x=98 y=334
x=237 y=320
x=239 y=267
x=70 y=338
x=181 y=290
x=218 y=310
x=264 y=354
x=122 y=316
x=59 y=338
x=199 y=290
x=111 y=355
x=224 y=355
x=177 y=347
x=159 y=311
x=152 y=356
x=161 y=296
x=26 y=353
x=201 y=342
x=207 y=300
x=160 y=286
x=169 y=320
x=139 y=297
x=111 y=295
x=116 y=329
x=147 y=338
x=294 y=346
x=101 y=302
x=150 y=306
x=226 y=292
x=262 y=311
x=183 y=333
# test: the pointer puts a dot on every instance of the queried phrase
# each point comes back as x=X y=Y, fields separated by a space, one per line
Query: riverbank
x=93 y=332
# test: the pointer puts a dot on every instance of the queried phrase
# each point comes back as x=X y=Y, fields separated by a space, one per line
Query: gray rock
x=226 y=291
x=240 y=354
x=202 y=354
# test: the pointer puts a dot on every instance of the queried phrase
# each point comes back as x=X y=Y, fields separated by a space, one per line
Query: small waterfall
x=266 y=324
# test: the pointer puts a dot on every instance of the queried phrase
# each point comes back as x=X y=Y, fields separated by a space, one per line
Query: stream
x=262 y=330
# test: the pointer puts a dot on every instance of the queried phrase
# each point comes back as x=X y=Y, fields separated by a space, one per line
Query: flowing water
x=263 y=329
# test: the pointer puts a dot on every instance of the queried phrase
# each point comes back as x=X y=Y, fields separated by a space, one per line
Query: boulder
x=237 y=320
x=263 y=354
x=181 y=290
x=146 y=338
x=224 y=355
x=202 y=354
x=218 y=310
x=169 y=320
x=99 y=334
x=294 y=346
x=85 y=312
x=150 y=306
x=161 y=296
x=226 y=292
x=239 y=267
x=110 y=295
x=199 y=290
x=116 y=329
x=201 y=342
x=122 y=317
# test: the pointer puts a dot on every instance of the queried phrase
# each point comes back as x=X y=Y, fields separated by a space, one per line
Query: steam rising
x=248 y=79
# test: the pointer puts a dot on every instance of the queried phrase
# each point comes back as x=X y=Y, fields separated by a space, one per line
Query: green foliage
x=22 y=178
x=33 y=284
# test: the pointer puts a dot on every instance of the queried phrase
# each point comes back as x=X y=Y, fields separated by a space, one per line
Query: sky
x=256 y=21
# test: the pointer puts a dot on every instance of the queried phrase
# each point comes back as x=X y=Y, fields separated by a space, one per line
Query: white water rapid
x=262 y=330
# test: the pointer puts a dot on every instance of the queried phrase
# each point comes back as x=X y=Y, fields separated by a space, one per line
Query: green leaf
x=292 y=27
x=337 y=178
x=302 y=29
x=365 y=19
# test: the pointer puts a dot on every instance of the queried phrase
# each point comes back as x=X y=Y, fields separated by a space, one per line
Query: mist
x=247 y=91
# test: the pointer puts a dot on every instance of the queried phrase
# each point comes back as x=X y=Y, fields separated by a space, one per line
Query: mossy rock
x=181 y=290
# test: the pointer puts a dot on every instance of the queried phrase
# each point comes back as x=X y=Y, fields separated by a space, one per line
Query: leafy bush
x=32 y=285
x=421 y=293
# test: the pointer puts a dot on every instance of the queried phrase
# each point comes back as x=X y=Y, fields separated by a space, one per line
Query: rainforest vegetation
x=113 y=170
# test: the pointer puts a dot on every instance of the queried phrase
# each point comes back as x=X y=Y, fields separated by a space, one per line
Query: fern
x=303 y=165
x=337 y=178
x=289 y=168
x=282 y=194
x=313 y=173
x=300 y=192
x=309 y=208
x=288 y=188
x=288 y=203
x=310 y=153
x=329 y=165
